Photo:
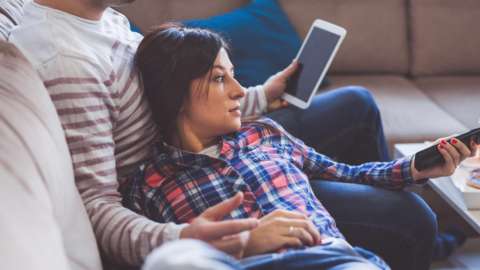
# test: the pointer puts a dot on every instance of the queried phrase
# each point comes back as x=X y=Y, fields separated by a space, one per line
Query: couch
x=44 y=224
x=418 y=57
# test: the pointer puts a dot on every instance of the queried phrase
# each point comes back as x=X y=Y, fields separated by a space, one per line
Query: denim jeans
x=345 y=124
x=335 y=254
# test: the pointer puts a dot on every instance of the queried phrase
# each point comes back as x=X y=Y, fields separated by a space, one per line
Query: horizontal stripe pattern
x=254 y=103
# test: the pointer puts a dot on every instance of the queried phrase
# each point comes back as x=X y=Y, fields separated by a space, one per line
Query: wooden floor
x=466 y=257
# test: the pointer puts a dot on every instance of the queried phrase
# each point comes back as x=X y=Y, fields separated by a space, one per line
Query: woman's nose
x=238 y=90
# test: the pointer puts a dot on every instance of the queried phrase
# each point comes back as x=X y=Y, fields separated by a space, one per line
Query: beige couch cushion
x=445 y=37
x=457 y=95
x=377 y=35
x=43 y=168
x=31 y=237
x=147 y=13
x=408 y=115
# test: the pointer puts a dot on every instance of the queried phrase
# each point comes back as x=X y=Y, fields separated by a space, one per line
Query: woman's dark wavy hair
x=169 y=58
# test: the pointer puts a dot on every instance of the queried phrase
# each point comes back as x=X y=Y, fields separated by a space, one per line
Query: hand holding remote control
x=431 y=156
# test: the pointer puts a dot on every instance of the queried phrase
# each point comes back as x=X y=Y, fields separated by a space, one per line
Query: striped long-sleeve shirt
x=87 y=68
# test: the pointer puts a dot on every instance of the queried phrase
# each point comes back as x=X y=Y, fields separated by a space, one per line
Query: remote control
x=430 y=156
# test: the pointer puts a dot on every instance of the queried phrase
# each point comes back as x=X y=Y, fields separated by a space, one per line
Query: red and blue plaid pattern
x=271 y=168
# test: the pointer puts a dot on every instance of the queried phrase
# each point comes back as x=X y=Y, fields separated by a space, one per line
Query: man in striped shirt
x=83 y=51
x=85 y=61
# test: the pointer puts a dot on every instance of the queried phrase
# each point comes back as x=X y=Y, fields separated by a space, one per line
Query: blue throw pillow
x=135 y=28
x=262 y=39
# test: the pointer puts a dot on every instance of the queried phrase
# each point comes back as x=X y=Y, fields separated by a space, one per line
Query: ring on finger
x=291 y=230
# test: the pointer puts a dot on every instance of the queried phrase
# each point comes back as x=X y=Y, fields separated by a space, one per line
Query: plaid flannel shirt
x=271 y=168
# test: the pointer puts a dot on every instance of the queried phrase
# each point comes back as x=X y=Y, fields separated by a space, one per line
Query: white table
x=445 y=187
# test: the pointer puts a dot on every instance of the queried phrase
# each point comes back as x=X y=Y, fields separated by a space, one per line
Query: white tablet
x=315 y=56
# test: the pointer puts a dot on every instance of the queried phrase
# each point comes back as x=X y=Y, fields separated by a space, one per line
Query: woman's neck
x=187 y=139
x=82 y=8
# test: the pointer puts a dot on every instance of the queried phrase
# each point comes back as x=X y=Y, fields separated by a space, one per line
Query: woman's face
x=213 y=106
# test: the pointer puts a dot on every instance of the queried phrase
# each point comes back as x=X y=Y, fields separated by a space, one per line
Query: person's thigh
x=344 y=124
x=337 y=254
x=189 y=255
x=397 y=225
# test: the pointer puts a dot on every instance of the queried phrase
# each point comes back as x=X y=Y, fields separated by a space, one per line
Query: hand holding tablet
x=315 y=56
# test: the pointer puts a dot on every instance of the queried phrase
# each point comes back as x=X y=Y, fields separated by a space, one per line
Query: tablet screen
x=313 y=60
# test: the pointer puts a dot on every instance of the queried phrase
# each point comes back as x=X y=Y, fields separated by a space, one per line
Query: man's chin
x=120 y=3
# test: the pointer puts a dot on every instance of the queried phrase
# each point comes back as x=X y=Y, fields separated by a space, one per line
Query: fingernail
x=454 y=141
x=441 y=146
x=443 y=142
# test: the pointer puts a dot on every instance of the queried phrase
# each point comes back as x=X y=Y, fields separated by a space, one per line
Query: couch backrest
x=445 y=37
x=36 y=160
x=418 y=37
x=377 y=32
x=376 y=42
x=148 y=13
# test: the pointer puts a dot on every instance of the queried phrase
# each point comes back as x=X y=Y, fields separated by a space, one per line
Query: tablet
x=314 y=57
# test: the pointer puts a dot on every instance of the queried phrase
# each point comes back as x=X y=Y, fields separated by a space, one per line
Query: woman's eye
x=219 y=79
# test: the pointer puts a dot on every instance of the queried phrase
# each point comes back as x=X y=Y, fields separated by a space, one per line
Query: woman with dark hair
x=208 y=154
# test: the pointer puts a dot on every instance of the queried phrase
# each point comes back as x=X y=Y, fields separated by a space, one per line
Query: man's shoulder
x=45 y=35
x=33 y=36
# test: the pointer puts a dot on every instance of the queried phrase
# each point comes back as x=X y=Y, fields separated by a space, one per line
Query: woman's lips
x=236 y=111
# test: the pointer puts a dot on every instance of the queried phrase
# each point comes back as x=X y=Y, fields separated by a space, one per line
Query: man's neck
x=81 y=8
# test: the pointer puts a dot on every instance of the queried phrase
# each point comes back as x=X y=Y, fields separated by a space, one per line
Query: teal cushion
x=134 y=28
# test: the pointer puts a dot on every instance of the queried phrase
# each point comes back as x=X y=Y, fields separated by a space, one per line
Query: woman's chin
x=235 y=126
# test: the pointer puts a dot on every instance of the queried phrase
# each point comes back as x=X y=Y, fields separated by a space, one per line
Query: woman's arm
x=395 y=174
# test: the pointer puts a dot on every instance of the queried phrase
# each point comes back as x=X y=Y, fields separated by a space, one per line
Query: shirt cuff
x=422 y=181
x=405 y=165
x=172 y=232
x=263 y=104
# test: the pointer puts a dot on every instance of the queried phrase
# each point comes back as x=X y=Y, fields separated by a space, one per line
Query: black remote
x=430 y=156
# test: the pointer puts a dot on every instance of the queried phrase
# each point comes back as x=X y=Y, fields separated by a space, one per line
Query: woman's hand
x=229 y=236
x=453 y=151
x=281 y=229
x=275 y=87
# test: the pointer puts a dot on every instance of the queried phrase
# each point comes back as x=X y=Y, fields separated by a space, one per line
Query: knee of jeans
x=420 y=215
x=361 y=97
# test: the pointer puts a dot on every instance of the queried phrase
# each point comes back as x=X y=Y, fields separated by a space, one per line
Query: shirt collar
x=166 y=153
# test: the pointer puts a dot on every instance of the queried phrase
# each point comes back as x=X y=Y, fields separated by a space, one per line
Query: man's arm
x=88 y=111
x=254 y=103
